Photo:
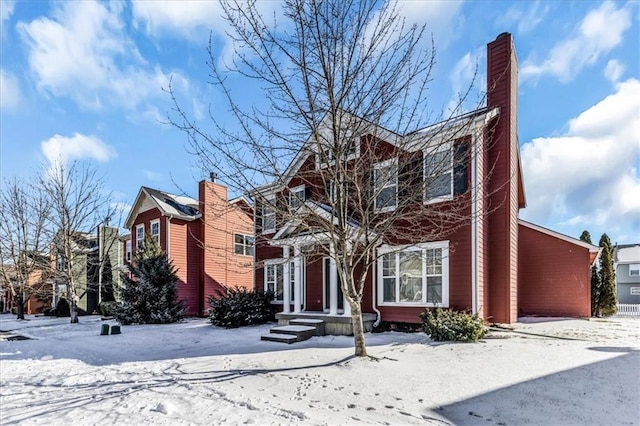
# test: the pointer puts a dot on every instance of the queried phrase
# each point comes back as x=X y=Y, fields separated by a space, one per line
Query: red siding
x=145 y=218
x=554 y=276
x=185 y=255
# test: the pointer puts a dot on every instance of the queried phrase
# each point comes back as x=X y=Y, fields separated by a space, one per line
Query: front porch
x=337 y=325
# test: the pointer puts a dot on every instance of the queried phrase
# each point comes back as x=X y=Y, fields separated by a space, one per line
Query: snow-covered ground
x=543 y=371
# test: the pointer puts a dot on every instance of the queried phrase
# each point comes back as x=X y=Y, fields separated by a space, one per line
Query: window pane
x=239 y=249
x=386 y=198
x=439 y=186
x=410 y=276
x=434 y=261
x=434 y=290
x=389 y=265
x=239 y=239
x=249 y=250
x=389 y=289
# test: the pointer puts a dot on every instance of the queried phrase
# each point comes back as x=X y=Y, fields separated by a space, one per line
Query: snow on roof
x=627 y=253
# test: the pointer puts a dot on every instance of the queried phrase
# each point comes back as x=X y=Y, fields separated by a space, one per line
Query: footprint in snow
x=160 y=408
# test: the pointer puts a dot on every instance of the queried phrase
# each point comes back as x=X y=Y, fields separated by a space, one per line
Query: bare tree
x=25 y=264
x=342 y=110
x=79 y=203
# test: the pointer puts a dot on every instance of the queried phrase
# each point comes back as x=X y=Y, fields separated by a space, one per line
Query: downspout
x=374 y=285
x=474 y=225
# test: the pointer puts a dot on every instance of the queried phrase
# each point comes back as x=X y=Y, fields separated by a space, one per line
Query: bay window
x=415 y=275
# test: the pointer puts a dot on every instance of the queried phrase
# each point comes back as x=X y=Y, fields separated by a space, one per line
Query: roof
x=627 y=253
x=448 y=128
x=592 y=248
x=171 y=205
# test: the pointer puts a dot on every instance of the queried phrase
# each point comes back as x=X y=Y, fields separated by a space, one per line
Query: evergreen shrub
x=449 y=325
x=238 y=307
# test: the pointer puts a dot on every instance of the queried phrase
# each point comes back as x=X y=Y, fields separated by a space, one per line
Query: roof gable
x=171 y=205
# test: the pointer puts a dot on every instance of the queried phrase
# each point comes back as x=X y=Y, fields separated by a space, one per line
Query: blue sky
x=84 y=80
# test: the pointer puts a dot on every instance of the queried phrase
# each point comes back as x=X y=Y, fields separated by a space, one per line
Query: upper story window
x=243 y=244
x=634 y=270
x=417 y=275
x=139 y=236
x=127 y=250
x=327 y=156
x=297 y=197
x=438 y=174
x=269 y=215
x=385 y=185
x=155 y=230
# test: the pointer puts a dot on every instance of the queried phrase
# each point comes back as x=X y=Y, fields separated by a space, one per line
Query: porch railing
x=628 y=309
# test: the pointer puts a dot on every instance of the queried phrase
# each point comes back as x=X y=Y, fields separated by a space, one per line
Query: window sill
x=413 y=305
x=438 y=199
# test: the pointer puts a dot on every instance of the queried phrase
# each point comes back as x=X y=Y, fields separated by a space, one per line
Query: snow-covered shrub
x=237 y=307
x=449 y=325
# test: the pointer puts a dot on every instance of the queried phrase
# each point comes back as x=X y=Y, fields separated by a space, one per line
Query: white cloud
x=6 y=9
x=152 y=176
x=467 y=78
x=442 y=18
x=77 y=147
x=589 y=176
x=186 y=18
x=83 y=52
x=599 y=32
x=10 y=93
x=526 y=20
x=614 y=70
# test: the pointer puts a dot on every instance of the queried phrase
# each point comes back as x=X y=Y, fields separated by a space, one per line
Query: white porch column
x=333 y=281
x=297 y=277
x=286 y=281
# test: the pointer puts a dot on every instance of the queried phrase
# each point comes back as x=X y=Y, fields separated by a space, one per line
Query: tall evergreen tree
x=595 y=279
x=149 y=290
x=607 y=302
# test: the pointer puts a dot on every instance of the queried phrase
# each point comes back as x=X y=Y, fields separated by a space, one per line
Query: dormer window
x=297 y=197
x=327 y=157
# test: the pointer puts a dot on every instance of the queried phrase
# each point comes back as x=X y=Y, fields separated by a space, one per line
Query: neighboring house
x=210 y=240
x=626 y=261
x=495 y=265
x=96 y=263
x=38 y=294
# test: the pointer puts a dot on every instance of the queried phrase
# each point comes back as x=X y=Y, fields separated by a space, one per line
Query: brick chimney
x=502 y=92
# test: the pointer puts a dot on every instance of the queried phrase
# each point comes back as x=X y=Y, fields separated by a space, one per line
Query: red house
x=209 y=240
x=491 y=263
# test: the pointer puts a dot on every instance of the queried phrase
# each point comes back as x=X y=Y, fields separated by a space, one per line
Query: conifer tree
x=149 y=289
x=607 y=300
x=595 y=279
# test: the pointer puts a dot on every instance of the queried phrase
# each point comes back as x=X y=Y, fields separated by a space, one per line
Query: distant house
x=626 y=261
x=209 y=240
x=497 y=265
x=96 y=264
x=38 y=294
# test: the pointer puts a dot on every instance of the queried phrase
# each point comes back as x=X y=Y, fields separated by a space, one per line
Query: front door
x=326 y=269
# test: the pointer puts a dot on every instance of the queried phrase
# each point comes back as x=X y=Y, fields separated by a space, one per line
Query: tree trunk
x=358 y=329
x=20 y=306
x=73 y=312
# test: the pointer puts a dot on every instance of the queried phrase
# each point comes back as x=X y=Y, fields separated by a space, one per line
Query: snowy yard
x=545 y=371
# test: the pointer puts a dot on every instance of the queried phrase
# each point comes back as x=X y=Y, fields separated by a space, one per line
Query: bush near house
x=238 y=307
x=449 y=325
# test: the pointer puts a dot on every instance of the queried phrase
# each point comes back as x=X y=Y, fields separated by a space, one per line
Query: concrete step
x=303 y=332
x=282 y=338
x=310 y=322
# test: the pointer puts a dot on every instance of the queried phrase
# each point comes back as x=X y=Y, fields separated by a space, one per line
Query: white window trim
x=139 y=241
x=244 y=244
x=447 y=147
x=382 y=165
x=385 y=249
x=634 y=267
x=274 y=263
x=292 y=192
x=156 y=236
x=269 y=202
